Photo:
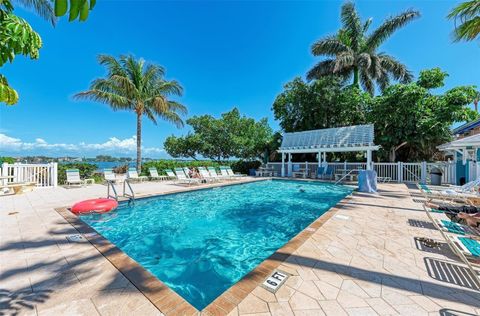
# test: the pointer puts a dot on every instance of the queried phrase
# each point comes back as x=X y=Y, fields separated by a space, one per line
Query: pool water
x=202 y=242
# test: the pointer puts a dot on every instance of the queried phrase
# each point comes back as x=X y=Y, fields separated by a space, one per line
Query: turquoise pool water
x=202 y=242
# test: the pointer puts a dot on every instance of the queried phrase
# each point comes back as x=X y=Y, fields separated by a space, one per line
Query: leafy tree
x=134 y=85
x=18 y=38
x=353 y=52
x=322 y=103
x=231 y=135
x=468 y=14
x=410 y=121
x=183 y=147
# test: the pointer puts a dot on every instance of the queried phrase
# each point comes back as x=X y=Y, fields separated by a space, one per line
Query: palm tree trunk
x=139 y=142
x=355 y=77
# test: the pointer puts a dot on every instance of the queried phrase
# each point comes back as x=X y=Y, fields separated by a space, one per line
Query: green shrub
x=8 y=160
x=86 y=171
x=243 y=166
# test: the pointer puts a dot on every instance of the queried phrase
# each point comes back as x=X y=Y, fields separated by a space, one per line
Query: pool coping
x=168 y=301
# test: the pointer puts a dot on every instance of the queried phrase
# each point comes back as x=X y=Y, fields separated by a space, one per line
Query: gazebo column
x=283 y=164
x=369 y=159
x=289 y=173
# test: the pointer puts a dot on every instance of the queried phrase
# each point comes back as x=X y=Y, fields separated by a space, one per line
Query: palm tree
x=468 y=13
x=135 y=85
x=354 y=52
x=44 y=8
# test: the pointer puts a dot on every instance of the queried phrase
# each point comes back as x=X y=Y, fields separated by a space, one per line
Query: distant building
x=465 y=151
x=467 y=129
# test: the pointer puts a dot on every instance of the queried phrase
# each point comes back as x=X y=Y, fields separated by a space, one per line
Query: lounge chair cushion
x=453 y=227
x=472 y=245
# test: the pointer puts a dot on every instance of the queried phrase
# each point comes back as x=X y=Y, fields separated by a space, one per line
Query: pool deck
x=362 y=258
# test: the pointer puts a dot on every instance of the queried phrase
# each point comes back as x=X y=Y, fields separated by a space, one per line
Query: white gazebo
x=321 y=141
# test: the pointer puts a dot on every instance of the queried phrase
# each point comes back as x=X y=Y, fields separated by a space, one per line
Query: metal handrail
x=111 y=184
x=345 y=175
x=131 y=195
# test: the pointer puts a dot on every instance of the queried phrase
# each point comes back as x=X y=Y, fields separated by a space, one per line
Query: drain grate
x=75 y=238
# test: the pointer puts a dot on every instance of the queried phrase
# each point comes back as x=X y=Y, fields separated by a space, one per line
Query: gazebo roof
x=462 y=143
x=340 y=139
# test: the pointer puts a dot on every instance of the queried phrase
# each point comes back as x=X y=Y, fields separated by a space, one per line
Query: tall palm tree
x=354 y=52
x=134 y=85
x=468 y=13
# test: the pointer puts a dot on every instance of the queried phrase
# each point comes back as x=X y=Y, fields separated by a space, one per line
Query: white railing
x=410 y=172
x=43 y=175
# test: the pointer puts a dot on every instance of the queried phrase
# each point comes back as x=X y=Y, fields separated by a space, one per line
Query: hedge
x=86 y=171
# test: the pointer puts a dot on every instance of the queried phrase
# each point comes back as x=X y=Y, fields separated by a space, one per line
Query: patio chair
x=468 y=250
x=109 y=175
x=446 y=195
x=225 y=174
x=133 y=175
x=459 y=239
x=468 y=187
x=73 y=178
x=154 y=174
x=170 y=174
x=182 y=178
x=233 y=174
x=213 y=172
x=206 y=175
x=186 y=170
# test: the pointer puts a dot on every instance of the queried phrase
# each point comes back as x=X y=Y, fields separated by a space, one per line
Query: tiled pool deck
x=367 y=261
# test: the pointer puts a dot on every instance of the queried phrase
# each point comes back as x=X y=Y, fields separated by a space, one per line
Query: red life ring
x=95 y=205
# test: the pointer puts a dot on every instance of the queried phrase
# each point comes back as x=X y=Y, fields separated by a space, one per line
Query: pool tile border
x=168 y=301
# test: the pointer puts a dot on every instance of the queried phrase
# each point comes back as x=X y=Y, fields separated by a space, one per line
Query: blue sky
x=224 y=53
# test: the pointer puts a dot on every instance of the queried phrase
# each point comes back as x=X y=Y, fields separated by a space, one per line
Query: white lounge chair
x=213 y=172
x=154 y=174
x=182 y=178
x=206 y=175
x=445 y=195
x=170 y=174
x=133 y=175
x=186 y=170
x=225 y=174
x=233 y=174
x=73 y=178
x=109 y=175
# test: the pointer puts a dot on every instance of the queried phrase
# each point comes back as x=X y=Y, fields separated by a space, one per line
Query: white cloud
x=114 y=145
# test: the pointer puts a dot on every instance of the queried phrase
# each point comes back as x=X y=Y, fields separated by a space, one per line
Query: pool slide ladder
x=114 y=195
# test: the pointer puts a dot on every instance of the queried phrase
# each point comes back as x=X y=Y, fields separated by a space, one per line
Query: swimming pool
x=202 y=242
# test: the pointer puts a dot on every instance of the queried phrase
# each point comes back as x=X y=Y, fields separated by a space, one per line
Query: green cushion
x=453 y=227
x=472 y=245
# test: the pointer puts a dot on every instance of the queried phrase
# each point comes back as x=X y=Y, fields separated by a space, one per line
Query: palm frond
x=172 y=117
x=329 y=46
x=367 y=82
x=111 y=64
x=343 y=60
x=389 y=27
x=364 y=60
x=43 y=8
x=351 y=23
x=468 y=30
x=115 y=101
x=398 y=70
x=325 y=67
x=177 y=107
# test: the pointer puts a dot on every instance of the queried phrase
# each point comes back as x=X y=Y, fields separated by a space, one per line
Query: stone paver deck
x=367 y=261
